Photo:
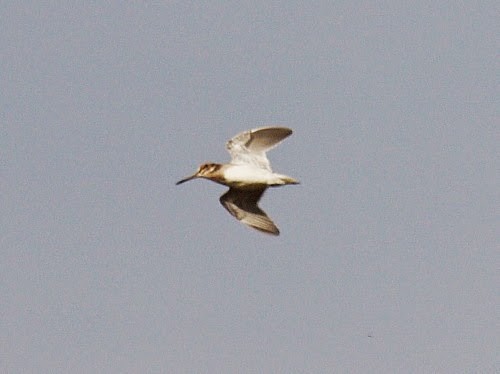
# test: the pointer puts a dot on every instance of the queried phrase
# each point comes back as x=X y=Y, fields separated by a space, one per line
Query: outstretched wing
x=242 y=204
x=250 y=147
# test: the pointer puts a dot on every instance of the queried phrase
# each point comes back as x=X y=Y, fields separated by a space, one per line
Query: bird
x=248 y=175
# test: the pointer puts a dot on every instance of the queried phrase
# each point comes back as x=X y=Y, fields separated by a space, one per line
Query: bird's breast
x=247 y=176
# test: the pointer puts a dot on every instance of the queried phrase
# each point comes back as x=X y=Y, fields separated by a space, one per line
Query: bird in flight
x=248 y=175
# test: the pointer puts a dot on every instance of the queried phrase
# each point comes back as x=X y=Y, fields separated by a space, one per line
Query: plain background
x=388 y=256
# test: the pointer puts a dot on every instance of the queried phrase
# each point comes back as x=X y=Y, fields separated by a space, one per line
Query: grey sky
x=388 y=256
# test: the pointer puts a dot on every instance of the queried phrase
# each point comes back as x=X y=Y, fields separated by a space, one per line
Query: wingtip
x=286 y=131
x=273 y=232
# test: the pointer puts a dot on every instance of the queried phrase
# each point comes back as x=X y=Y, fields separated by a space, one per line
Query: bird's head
x=206 y=170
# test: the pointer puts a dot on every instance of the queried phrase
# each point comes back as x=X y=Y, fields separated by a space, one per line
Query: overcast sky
x=388 y=255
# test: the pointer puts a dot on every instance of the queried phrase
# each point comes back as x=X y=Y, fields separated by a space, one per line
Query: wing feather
x=250 y=147
x=242 y=204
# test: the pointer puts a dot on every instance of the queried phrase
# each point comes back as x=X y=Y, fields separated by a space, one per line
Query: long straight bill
x=186 y=179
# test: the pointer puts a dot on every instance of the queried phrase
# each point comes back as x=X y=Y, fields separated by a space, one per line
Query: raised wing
x=250 y=147
x=242 y=204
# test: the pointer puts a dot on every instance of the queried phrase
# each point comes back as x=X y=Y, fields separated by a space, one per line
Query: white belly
x=242 y=176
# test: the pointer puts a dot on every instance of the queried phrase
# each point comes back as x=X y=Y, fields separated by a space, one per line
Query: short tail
x=289 y=180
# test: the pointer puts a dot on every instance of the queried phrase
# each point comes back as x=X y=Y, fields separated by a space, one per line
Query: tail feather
x=285 y=179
